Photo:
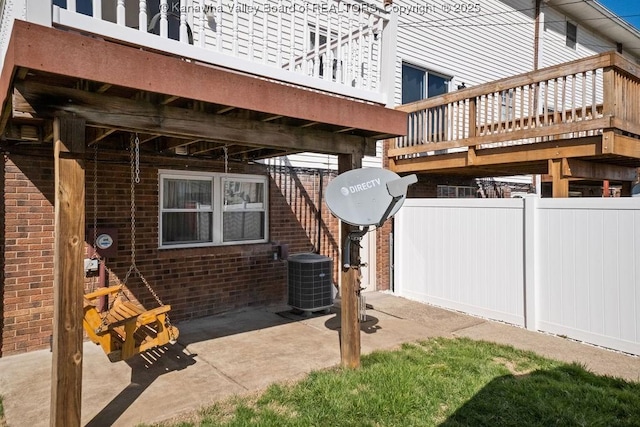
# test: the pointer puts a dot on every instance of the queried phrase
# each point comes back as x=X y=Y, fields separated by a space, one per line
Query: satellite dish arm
x=385 y=216
x=397 y=190
x=354 y=236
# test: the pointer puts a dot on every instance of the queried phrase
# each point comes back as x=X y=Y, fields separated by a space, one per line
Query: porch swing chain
x=95 y=201
x=226 y=159
x=94 y=255
x=134 y=153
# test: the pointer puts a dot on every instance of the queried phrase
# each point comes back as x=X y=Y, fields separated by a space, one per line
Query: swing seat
x=127 y=329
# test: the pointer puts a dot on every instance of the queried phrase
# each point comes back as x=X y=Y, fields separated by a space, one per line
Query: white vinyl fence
x=564 y=266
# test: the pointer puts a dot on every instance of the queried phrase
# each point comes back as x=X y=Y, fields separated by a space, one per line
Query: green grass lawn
x=445 y=382
x=2 y=420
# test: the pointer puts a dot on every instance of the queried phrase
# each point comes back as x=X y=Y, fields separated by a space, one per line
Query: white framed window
x=419 y=83
x=572 y=35
x=244 y=209
x=208 y=209
x=507 y=104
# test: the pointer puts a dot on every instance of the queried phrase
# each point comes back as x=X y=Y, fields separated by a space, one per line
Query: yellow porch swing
x=125 y=329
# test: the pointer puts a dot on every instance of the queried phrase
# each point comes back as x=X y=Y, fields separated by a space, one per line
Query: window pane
x=238 y=226
x=572 y=35
x=240 y=195
x=437 y=85
x=186 y=227
x=412 y=84
x=186 y=194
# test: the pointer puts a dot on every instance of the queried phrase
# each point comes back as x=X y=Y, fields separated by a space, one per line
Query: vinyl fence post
x=530 y=269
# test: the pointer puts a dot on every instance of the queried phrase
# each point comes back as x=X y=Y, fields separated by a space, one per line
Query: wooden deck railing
x=579 y=98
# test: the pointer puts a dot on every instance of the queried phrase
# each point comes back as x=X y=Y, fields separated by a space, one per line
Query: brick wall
x=295 y=219
x=196 y=282
x=27 y=239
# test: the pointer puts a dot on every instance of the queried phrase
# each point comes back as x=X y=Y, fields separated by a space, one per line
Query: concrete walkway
x=245 y=351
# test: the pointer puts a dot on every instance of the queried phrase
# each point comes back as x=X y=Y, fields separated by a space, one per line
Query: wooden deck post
x=68 y=274
x=349 y=288
x=560 y=185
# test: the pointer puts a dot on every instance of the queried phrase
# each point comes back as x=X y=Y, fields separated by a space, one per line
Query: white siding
x=324 y=161
x=554 y=48
x=474 y=48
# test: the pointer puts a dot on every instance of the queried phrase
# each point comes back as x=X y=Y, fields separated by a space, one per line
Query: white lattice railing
x=334 y=45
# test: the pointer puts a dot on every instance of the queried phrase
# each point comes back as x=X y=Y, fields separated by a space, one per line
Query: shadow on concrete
x=369 y=326
x=564 y=396
x=145 y=369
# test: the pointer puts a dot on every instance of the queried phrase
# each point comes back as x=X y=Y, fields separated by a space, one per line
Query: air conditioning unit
x=310 y=282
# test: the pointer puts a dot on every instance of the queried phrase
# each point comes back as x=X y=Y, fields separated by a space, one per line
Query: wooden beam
x=68 y=272
x=225 y=110
x=350 y=286
x=581 y=147
x=169 y=99
x=345 y=130
x=574 y=168
x=142 y=116
x=542 y=151
x=626 y=146
x=310 y=124
x=626 y=126
x=6 y=114
x=560 y=185
x=103 y=88
x=100 y=134
x=271 y=118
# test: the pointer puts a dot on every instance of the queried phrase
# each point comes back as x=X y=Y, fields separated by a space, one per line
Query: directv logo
x=360 y=187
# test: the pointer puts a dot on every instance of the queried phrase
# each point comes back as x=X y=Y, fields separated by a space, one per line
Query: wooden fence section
x=565 y=266
x=583 y=98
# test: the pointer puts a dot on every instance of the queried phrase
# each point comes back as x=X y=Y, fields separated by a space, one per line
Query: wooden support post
x=350 y=286
x=560 y=185
x=68 y=274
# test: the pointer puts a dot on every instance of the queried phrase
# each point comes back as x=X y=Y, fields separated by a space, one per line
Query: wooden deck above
x=581 y=118
x=176 y=106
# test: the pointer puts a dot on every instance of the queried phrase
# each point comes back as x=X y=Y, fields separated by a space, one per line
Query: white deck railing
x=332 y=45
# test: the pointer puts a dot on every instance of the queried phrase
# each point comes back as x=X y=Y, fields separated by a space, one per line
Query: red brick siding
x=27 y=239
x=294 y=219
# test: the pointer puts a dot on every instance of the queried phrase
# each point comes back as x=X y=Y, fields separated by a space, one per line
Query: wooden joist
x=138 y=115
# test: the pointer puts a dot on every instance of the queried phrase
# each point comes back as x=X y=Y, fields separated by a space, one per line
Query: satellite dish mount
x=365 y=197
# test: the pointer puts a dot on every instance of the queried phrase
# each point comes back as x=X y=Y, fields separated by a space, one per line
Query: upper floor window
x=204 y=209
x=418 y=83
x=572 y=35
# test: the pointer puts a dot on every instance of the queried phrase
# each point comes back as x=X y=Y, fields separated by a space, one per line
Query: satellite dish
x=635 y=191
x=367 y=196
